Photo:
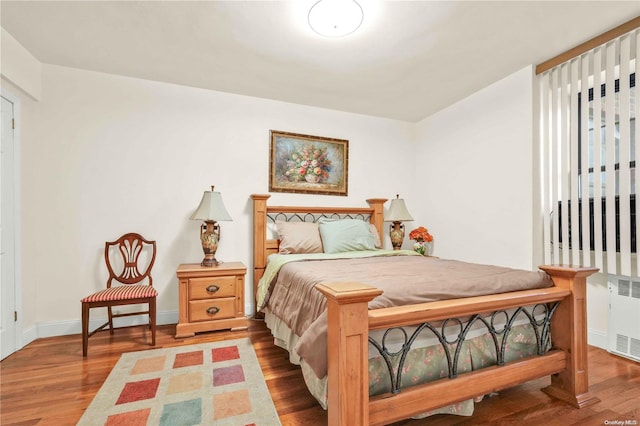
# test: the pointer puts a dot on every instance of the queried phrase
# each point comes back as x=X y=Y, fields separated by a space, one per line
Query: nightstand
x=211 y=298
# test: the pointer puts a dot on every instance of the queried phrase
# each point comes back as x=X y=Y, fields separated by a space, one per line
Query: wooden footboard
x=350 y=322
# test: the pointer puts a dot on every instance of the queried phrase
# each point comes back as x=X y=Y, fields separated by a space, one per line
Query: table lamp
x=397 y=213
x=211 y=210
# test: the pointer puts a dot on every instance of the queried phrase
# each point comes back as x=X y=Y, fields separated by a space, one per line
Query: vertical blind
x=589 y=153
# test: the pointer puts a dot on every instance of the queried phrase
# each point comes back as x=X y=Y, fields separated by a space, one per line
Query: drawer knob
x=213 y=310
x=213 y=288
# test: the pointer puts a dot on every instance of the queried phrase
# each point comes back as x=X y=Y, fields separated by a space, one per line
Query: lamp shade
x=211 y=208
x=397 y=211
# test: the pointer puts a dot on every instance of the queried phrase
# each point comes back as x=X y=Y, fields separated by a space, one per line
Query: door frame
x=17 y=234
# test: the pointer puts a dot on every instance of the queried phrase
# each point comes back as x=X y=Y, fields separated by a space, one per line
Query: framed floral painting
x=308 y=164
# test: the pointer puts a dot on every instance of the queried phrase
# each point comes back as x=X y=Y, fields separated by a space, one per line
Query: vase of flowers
x=310 y=164
x=422 y=238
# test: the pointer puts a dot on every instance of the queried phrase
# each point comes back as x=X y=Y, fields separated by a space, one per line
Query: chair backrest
x=126 y=267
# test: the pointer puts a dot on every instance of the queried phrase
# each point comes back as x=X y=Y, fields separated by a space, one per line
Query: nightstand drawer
x=212 y=309
x=212 y=287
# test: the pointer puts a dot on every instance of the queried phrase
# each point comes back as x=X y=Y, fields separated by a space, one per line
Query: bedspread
x=290 y=291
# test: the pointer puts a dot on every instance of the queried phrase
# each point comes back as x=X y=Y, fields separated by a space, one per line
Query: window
x=603 y=129
x=588 y=143
x=588 y=155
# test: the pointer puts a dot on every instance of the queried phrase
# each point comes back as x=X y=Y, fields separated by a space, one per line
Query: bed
x=361 y=333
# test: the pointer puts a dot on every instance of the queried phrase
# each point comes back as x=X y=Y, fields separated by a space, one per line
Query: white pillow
x=298 y=237
x=376 y=237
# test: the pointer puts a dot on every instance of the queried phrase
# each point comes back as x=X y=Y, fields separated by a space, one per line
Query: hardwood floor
x=50 y=383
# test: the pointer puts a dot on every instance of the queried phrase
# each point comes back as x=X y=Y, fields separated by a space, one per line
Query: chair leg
x=152 y=319
x=110 y=314
x=85 y=328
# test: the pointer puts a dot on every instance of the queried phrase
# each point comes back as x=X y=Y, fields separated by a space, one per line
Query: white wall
x=19 y=66
x=104 y=154
x=477 y=193
x=474 y=180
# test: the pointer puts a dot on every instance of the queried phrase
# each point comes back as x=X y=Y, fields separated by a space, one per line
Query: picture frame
x=308 y=164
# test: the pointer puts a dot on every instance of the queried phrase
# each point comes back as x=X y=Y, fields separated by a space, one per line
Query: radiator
x=624 y=316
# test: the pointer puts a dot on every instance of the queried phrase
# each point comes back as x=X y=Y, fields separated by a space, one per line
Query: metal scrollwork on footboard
x=539 y=317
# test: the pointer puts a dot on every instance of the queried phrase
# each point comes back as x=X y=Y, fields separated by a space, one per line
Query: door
x=8 y=316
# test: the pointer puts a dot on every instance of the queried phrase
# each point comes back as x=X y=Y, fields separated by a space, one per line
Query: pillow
x=376 y=237
x=298 y=237
x=345 y=235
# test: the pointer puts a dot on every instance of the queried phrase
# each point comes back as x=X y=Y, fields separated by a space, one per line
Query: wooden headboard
x=263 y=246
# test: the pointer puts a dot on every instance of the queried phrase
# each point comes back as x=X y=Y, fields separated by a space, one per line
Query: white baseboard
x=598 y=339
x=28 y=336
x=63 y=328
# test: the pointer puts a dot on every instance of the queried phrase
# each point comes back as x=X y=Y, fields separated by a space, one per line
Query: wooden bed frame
x=349 y=322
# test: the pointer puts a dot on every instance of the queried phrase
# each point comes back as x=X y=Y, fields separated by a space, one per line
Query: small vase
x=311 y=178
x=420 y=247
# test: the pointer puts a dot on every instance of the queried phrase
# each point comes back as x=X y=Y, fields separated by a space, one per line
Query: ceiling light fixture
x=335 y=18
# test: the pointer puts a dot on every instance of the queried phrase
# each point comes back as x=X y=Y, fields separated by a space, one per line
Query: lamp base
x=396 y=233
x=209 y=237
x=209 y=262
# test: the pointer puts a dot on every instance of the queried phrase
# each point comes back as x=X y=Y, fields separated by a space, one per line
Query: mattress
x=288 y=290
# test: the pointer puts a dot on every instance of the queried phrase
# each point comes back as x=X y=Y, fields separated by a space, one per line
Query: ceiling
x=408 y=60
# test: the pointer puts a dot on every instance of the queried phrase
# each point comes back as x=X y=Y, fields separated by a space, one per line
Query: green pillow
x=345 y=235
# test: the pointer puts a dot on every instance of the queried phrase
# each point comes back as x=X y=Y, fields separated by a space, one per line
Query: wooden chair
x=124 y=269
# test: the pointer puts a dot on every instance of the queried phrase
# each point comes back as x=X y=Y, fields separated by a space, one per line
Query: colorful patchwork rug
x=216 y=383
